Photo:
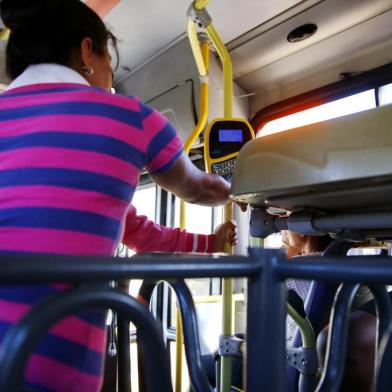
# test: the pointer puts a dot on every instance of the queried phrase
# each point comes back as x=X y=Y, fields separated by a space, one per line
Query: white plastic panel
x=170 y=83
x=341 y=163
x=360 y=48
x=146 y=27
x=331 y=18
x=178 y=106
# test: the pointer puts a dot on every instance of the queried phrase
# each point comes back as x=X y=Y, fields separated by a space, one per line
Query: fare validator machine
x=224 y=139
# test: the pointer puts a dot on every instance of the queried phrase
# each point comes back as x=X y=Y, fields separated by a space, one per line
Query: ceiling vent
x=302 y=32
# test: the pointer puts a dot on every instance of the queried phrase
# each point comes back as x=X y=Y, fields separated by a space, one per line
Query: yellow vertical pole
x=202 y=121
x=179 y=343
x=227 y=291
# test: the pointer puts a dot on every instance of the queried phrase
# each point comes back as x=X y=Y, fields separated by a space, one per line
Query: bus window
x=337 y=108
x=201 y=220
x=385 y=94
x=341 y=107
x=198 y=218
x=144 y=201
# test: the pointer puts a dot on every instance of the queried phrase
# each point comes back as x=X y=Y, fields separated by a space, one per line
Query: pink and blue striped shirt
x=70 y=158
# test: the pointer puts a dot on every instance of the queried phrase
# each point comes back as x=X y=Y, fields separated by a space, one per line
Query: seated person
x=299 y=245
x=361 y=348
x=296 y=245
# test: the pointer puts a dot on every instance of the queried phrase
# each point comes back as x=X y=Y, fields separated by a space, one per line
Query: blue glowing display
x=230 y=135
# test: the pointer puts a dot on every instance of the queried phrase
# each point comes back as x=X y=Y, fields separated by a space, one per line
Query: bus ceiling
x=351 y=36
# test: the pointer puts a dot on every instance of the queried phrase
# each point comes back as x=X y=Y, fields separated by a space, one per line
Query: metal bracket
x=262 y=224
x=201 y=17
x=203 y=37
x=303 y=359
x=302 y=222
x=230 y=346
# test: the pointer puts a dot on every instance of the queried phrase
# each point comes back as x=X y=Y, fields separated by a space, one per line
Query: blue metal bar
x=124 y=346
x=383 y=308
x=124 y=354
x=384 y=360
x=198 y=376
x=47 y=268
x=337 y=339
x=266 y=297
x=350 y=269
x=23 y=337
x=37 y=268
x=320 y=297
x=197 y=372
x=384 y=313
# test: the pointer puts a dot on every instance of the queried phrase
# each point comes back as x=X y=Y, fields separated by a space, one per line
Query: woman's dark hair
x=49 y=31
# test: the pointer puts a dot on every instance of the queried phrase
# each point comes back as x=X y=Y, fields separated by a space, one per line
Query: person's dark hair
x=320 y=243
x=49 y=31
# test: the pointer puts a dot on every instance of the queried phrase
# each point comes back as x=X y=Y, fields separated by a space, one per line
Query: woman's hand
x=226 y=232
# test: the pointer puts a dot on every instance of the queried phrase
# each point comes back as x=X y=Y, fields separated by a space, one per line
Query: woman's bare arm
x=189 y=183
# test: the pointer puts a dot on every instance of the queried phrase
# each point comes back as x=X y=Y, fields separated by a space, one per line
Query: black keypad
x=225 y=169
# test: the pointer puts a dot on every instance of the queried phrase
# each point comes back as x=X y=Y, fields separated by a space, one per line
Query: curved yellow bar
x=305 y=327
x=197 y=53
x=201 y=4
x=203 y=101
x=203 y=117
x=227 y=70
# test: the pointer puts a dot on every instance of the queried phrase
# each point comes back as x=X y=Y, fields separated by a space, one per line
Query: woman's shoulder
x=128 y=102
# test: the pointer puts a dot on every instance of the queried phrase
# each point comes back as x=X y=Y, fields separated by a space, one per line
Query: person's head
x=299 y=244
x=65 y=32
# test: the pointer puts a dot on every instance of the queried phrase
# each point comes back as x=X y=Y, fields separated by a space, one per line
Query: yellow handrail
x=203 y=101
x=179 y=343
x=227 y=319
x=227 y=70
x=227 y=290
x=201 y=4
x=196 y=50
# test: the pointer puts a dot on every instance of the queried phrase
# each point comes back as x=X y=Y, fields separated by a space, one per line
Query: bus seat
x=318 y=304
x=340 y=164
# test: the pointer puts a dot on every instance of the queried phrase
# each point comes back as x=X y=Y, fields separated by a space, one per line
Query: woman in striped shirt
x=71 y=154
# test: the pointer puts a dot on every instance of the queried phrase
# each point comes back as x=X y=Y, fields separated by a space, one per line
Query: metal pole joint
x=200 y=17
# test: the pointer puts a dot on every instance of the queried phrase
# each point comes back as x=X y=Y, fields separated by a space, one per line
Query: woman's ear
x=86 y=52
